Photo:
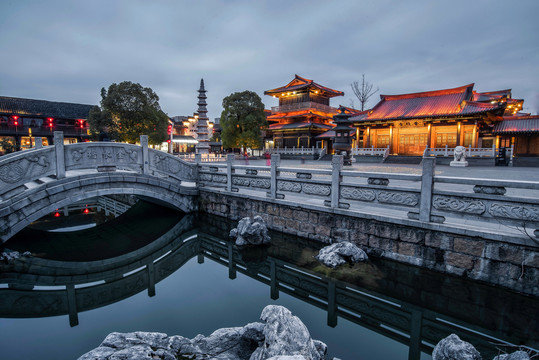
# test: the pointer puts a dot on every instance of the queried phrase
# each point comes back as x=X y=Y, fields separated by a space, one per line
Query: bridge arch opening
x=30 y=205
x=137 y=227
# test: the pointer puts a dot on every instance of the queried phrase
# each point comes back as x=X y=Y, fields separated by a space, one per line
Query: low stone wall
x=508 y=264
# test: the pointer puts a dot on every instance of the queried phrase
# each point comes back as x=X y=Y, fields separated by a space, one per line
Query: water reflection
x=412 y=306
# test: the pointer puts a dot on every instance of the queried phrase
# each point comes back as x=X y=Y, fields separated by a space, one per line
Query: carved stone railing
x=294 y=151
x=28 y=166
x=301 y=106
x=203 y=157
x=426 y=197
x=371 y=151
x=98 y=155
x=470 y=151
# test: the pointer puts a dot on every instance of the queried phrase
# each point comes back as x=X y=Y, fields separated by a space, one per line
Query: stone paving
x=484 y=172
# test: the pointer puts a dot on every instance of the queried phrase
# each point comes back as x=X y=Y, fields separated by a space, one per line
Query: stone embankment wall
x=507 y=264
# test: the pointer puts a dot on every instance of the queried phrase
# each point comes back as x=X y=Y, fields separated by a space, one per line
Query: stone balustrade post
x=145 y=154
x=427 y=184
x=38 y=142
x=198 y=159
x=337 y=164
x=60 y=157
x=274 y=173
x=229 y=171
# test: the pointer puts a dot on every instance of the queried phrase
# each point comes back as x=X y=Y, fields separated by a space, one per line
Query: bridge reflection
x=385 y=297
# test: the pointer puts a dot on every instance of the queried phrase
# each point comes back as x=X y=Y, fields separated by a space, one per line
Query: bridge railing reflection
x=402 y=321
x=33 y=290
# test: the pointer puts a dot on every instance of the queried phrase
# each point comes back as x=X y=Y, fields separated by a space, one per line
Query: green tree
x=7 y=145
x=101 y=124
x=127 y=111
x=242 y=120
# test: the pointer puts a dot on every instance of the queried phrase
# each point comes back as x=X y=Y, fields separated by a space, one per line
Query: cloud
x=67 y=51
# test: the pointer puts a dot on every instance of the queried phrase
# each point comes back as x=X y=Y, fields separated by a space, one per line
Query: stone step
x=526 y=161
x=403 y=159
x=368 y=159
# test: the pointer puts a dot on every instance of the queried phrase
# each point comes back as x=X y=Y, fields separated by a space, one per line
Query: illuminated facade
x=408 y=123
x=303 y=114
x=22 y=120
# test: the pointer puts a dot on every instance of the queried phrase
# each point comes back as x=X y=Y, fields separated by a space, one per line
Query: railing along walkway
x=501 y=207
x=470 y=151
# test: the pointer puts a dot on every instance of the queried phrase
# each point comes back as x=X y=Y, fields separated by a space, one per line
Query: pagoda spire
x=203 y=146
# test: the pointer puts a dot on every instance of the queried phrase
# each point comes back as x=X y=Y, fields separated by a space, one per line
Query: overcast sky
x=68 y=50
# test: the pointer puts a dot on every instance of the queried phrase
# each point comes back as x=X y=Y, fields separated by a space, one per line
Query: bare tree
x=363 y=91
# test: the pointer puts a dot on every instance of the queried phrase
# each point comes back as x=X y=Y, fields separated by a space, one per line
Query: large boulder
x=249 y=232
x=281 y=335
x=517 y=355
x=285 y=334
x=453 y=348
x=340 y=253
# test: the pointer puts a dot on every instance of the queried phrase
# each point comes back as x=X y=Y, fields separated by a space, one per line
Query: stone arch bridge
x=35 y=182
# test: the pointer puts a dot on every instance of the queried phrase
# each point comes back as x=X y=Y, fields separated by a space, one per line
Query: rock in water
x=251 y=233
x=339 y=253
x=7 y=256
x=282 y=337
x=517 y=355
x=285 y=334
x=453 y=348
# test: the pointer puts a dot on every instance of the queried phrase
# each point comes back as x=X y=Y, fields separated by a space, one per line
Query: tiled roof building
x=303 y=113
x=408 y=123
x=22 y=120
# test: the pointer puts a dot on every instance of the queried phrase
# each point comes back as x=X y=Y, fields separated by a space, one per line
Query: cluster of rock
x=453 y=348
x=7 y=256
x=341 y=253
x=249 y=232
x=280 y=336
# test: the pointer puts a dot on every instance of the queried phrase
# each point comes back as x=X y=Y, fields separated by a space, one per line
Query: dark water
x=192 y=280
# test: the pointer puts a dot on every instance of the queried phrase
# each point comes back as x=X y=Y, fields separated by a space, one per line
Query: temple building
x=408 y=123
x=303 y=114
x=22 y=120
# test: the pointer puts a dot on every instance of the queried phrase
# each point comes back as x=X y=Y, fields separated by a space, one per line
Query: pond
x=190 y=279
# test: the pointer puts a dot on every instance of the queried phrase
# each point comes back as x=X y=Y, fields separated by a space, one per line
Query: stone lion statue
x=460 y=153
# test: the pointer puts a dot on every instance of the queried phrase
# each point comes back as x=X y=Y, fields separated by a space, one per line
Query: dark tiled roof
x=491 y=95
x=352 y=111
x=299 y=114
x=438 y=103
x=298 y=125
x=300 y=83
x=517 y=125
x=183 y=138
x=331 y=134
x=43 y=108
